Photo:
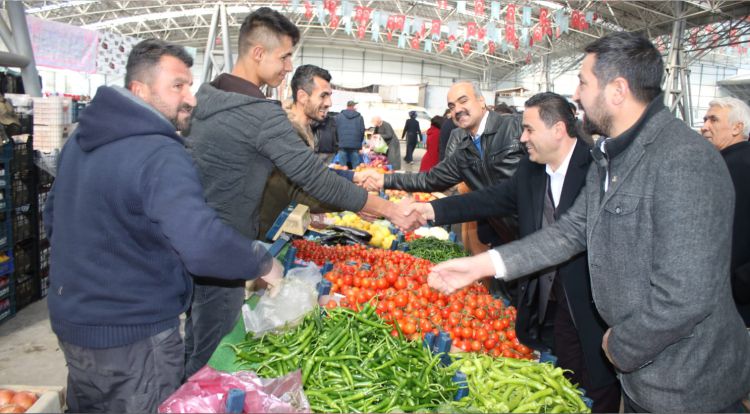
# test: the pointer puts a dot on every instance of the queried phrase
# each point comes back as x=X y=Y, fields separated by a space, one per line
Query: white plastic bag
x=297 y=296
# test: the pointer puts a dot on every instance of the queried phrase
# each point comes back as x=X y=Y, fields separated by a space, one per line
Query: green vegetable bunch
x=435 y=250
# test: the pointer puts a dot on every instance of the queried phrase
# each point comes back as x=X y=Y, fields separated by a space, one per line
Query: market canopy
x=480 y=34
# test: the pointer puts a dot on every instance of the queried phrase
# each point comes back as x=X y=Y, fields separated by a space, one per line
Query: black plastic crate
x=22 y=226
x=27 y=291
x=23 y=261
x=20 y=191
x=22 y=153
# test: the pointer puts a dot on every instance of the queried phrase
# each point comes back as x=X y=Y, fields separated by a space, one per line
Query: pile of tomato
x=396 y=283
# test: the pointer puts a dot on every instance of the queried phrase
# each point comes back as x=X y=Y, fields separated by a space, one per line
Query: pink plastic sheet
x=206 y=392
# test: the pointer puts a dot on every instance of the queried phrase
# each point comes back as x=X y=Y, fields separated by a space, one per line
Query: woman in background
x=432 y=156
x=413 y=134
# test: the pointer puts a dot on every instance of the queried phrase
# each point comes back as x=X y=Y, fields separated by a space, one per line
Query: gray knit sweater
x=236 y=140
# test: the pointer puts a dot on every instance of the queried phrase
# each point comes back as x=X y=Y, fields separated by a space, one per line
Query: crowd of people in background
x=638 y=243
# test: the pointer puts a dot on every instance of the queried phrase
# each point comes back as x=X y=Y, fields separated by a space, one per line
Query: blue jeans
x=349 y=156
x=215 y=310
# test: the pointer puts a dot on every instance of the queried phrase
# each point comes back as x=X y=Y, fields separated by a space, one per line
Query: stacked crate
x=7 y=285
x=52 y=122
x=44 y=186
x=25 y=222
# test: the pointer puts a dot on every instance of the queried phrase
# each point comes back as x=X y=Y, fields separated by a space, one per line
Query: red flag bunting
x=491 y=47
x=389 y=35
x=308 y=10
x=510 y=14
x=538 y=33
x=442 y=4
x=479 y=7
x=399 y=21
x=391 y=24
x=441 y=45
x=415 y=43
x=334 y=23
x=481 y=33
x=435 y=28
x=510 y=33
x=471 y=29
x=361 y=31
x=467 y=48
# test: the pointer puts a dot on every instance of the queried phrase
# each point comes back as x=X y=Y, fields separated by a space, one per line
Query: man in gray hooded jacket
x=237 y=136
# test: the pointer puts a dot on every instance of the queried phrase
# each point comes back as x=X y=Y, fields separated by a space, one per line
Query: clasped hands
x=406 y=214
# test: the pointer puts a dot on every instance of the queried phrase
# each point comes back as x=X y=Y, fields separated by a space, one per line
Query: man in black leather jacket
x=487 y=150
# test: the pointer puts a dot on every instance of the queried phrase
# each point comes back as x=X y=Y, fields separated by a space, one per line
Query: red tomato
x=331 y=304
x=476 y=346
x=480 y=313
x=400 y=284
x=490 y=344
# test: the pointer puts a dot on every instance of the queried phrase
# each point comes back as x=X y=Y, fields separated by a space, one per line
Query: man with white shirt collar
x=484 y=150
x=545 y=186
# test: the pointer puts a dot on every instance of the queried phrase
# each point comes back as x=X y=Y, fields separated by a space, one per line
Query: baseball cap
x=351 y=103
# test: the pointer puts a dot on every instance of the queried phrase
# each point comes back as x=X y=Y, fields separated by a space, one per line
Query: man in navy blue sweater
x=128 y=223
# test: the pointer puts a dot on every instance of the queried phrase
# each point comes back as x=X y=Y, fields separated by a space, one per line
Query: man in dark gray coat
x=237 y=136
x=656 y=217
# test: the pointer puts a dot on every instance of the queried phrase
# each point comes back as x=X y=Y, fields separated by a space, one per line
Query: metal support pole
x=228 y=60
x=207 y=58
x=13 y=60
x=676 y=95
x=20 y=29
x=7 y=37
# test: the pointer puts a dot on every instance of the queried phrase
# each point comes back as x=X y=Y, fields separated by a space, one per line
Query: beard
x=173 y=115
x=596 y=120
x=313 y=112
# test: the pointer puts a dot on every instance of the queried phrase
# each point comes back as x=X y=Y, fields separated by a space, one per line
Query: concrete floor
x=29 y=353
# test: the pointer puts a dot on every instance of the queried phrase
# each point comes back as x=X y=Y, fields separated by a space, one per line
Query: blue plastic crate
x=6 y=286
x=7 y=267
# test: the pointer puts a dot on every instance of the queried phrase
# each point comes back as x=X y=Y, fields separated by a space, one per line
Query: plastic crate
x=6 y=235
x=22 y=229
x=44 y=286
x=27 y=291
x=5 y=166
x=23 y=261
x=6 y=266
x=8 y=312
x=5 y=286
x=48 y=138
x=22 y=156
x=20 y=191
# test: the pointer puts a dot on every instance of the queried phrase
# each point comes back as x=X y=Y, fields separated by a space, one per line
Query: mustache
x=186 y=107
x=460 y=114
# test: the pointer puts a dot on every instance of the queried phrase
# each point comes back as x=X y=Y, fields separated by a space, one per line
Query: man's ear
x=737 y=128
x=140 y=90
x=257 y=52
x=619 y=90
x=302 y=96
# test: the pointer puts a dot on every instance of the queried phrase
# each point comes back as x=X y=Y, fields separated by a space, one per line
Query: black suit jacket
x=523 y=195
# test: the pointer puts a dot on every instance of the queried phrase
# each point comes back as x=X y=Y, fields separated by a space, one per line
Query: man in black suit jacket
x=544 y=186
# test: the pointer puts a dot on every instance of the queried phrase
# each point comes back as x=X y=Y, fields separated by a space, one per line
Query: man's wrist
x=498 y=264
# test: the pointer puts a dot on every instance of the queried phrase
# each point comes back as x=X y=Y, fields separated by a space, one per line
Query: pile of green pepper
x=506 y=385
x=435 y=250
x=350 y=363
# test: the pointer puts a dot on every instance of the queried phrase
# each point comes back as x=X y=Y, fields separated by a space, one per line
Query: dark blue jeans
x=349 y=156
x=215 y=310
x=134 y=378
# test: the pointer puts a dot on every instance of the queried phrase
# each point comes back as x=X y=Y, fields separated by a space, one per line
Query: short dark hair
x=437 y=121
x=553 y=108
x=631 y=56
x=503 y=108
x=262 y=23
x=146 y=55
x=304 y=78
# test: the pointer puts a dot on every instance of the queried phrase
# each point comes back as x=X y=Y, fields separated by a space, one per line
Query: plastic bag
x=377 y=144
x=296 y=297
x=206 y=392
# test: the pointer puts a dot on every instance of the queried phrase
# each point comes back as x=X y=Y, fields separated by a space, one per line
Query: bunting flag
x=320 y=11
x=406 y=28
x=418 y=26
x=442 y=4
x=391 y=25
x=402 y=41
x=471 y=29
x=491 y=47
x=526 y=16
x=361 y=31
x=589 y=17
x=334 y=23
x=384 y=18
x=415 y=43
x=375 y=31
x=399 y=22
x=466 y=48
x=480 y=47
x=481 y=33
x=461 y=6
x=510 y=33
x=495 y=10
x=441 y=45
x=479 y=7
x=308 y=10
x=524 y=37
x=693 y=39
x=331 y=5
x=538 y=33
x=503 y=45
x=452 y=28
x=428 y=45
x=435 y=29
x=545 y=23
x=510 y=14
x=389 y=35
x=563 y=21
x=453 y=47
x=295 y=4
x=346 y=9
x=348 y=27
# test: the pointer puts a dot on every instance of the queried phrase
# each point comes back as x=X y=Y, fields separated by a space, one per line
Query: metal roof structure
x=709 y=24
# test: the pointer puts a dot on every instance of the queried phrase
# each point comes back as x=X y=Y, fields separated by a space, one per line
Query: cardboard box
x=51 y=398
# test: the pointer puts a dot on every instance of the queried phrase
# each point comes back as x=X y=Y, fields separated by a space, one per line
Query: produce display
x=398 y=195
x=379 y=229
x=503 y=385
x=396 y=283
x=351 y=363
x=435 y=250
x=16 y=401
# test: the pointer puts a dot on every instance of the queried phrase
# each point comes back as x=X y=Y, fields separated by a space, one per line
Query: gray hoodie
x=236 y=140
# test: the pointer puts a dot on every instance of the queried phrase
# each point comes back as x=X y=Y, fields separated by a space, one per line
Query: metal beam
x=20 y=30
x=13 y=60
x=6 y=36
x=675 y=83
x=210 y=42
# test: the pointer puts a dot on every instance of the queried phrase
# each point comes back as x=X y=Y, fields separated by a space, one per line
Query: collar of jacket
x=736 y=147
x=302 y=128
x=231 y=83
x=615 y=146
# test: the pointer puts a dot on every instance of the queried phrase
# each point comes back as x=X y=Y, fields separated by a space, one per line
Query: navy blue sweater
x=350 y=128
x=127 y=221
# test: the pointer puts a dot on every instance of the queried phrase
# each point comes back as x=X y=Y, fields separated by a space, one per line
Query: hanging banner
x=428 y=45
x=113 y=51
x=510 y=14
x=526 y=16
x=435 y=29
x=461 y=6
x=62 y=46
x=471 y=29
x=441 y=45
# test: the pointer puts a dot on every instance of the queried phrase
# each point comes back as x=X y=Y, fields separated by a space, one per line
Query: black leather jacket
x=501 y=151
